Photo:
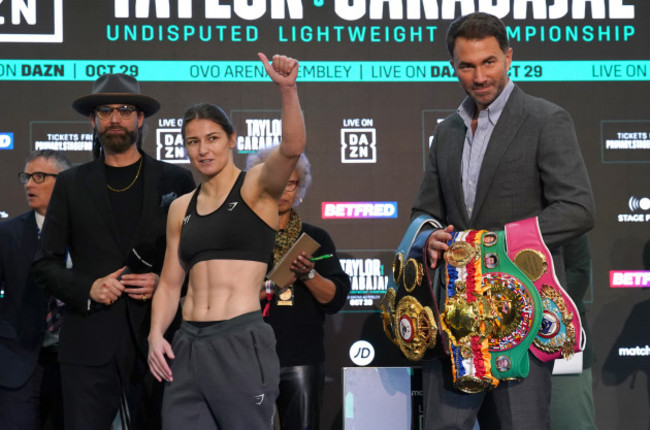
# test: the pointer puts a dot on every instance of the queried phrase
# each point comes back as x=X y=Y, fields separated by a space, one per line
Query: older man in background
x=30 y=383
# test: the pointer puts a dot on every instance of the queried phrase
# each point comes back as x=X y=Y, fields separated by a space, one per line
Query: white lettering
x=27 y=10
x=449 y=8
x=250 y=11
x=395 y=10
x=635 y=351
x=353 y=10
x=618 y=10
x=498 y=8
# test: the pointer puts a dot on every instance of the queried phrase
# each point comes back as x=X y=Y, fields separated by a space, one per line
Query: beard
x=117 y=143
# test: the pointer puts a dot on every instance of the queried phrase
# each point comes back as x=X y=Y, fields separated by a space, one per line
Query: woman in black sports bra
x=221 y=370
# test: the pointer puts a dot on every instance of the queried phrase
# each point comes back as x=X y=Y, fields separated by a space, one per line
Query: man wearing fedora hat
x=110 y=216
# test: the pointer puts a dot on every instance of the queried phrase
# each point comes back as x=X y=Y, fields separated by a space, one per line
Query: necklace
x=137 y=174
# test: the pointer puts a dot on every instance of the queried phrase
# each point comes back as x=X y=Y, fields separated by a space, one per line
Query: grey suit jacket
x=532 y=167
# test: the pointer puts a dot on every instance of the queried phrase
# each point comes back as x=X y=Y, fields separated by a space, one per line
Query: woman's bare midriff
x=223 y=289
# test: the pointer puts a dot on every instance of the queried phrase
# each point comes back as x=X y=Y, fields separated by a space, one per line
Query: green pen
x=322 y=257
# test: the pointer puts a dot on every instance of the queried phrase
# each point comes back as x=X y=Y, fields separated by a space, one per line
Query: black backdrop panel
x=375 y=80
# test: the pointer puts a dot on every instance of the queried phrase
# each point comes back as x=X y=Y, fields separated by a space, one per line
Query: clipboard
x=281 y=273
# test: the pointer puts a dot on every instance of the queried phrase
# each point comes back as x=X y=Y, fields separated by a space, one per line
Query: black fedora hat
x=113 y=88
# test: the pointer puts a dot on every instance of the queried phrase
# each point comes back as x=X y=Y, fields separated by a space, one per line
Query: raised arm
x=275 y=171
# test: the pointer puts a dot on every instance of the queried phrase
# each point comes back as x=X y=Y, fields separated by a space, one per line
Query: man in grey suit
x=504 y=156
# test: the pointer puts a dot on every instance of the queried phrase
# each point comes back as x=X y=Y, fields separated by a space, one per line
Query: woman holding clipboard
x=318 y=286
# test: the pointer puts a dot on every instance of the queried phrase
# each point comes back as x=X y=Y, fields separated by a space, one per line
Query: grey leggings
x=226 y=376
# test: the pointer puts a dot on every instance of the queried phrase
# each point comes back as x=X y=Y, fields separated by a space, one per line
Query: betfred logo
x=629 y=278
x=346 y=210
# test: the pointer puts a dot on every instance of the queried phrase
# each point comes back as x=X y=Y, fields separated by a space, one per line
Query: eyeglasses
x=105 y=112
x=37 y=177
x=291 y=185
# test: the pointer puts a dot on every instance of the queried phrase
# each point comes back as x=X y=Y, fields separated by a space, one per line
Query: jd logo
x=362 y=353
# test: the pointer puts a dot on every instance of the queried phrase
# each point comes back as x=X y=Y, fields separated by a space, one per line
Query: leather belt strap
x=517 y=305
x=468 y=317
x=561 y=330
x=408 y=320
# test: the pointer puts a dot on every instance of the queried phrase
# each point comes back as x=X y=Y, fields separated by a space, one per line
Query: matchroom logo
x=31 y=21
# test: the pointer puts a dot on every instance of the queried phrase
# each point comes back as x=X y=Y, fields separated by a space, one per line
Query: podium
x=382 y=398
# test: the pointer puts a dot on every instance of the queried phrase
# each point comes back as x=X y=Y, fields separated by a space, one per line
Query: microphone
x=141 y=258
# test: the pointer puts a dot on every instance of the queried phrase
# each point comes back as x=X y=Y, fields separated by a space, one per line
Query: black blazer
x=80 y=219
x=23 y=307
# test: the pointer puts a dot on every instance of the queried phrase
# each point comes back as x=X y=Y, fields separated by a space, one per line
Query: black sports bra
x=232 y=232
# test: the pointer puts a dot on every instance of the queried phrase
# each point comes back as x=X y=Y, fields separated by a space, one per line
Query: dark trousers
x=38 y=403
x=93 y=395
x=300 y=399
x=513 y=405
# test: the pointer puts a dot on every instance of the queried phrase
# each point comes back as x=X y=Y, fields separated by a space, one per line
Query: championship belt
x=468 y=318
x=517 y=306
x=408 y=306
x=561 y=330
